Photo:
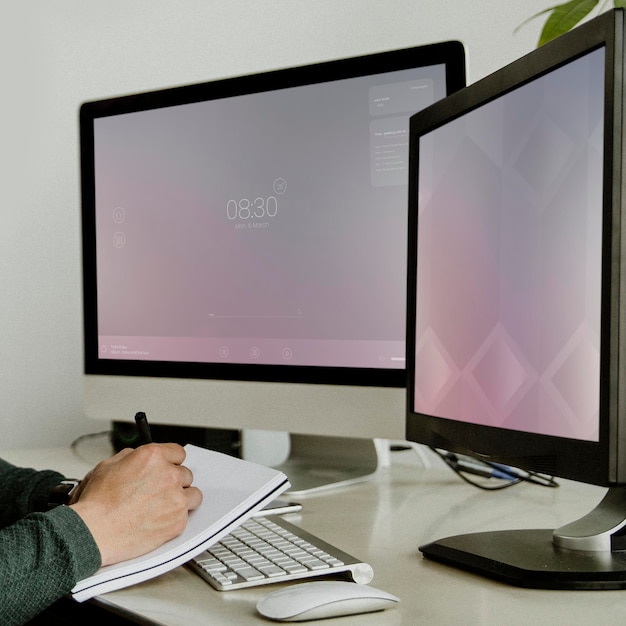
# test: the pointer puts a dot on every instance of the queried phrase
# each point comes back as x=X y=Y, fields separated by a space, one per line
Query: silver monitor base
x=316 y=463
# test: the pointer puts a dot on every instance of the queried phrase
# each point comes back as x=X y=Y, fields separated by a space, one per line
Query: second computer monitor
x=245 y=246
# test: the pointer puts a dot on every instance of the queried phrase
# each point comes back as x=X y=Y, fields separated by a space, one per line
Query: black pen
x=143 y=427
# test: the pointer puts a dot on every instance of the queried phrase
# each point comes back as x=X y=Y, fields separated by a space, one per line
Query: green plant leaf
x=564 y=17
x=536 y=15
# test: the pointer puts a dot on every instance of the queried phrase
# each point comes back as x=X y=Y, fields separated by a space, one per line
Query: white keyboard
x=270 y=550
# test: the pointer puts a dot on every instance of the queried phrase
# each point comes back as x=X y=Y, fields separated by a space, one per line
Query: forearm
x=41 y=558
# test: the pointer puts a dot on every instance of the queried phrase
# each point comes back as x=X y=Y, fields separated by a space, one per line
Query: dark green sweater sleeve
x=42 y=554
x=23 y=491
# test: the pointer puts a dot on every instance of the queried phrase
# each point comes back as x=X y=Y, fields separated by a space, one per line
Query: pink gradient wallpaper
x=509 y=259
x=264 y=228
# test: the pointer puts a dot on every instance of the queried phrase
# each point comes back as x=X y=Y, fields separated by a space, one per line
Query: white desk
x=384 y=521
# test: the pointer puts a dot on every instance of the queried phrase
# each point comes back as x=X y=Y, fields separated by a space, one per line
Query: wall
x=54 y=55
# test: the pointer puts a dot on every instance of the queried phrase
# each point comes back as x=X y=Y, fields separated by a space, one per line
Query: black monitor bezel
x=449 y=53
x=601 y=462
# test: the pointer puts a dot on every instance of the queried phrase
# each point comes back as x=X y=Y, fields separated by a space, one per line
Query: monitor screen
x=514 y=290
x=253 y=230
x=510 y=233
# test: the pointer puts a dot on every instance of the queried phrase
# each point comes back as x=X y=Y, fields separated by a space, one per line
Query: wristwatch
x=62 y=493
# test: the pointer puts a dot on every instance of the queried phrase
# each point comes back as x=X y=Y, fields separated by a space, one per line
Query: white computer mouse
x=323 y=598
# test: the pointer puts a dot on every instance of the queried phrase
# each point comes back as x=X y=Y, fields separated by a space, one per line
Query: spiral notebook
x=233 y=490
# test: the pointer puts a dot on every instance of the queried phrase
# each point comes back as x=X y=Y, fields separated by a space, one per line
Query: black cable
x=74 y=445
x=82 y=438
x=464 y=467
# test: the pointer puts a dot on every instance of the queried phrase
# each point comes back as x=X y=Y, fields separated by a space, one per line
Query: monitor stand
x=589 y=553
x=316 y=463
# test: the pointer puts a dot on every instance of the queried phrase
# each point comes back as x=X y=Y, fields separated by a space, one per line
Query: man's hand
x=137 y=500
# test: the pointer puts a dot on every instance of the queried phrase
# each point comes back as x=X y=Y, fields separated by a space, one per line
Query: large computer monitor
x=516 y=316
x=244 y=248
